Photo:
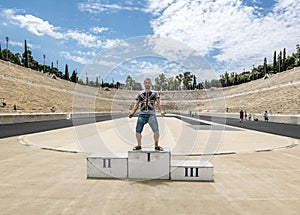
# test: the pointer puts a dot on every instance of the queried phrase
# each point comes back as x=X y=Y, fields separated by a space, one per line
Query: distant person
x=3 y=102
x=146 y=100
x=241 y=115
x=15 y=107
x=246 y=115
x=250 y=116
x=266 y=116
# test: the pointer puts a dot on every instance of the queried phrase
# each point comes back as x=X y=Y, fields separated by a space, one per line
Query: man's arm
x=160 y=107
x=135 y=107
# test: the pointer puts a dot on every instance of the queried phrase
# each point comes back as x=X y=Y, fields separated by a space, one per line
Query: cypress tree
x=274 y=63
x=87 y=80
x=25 y=55
x=194 y=82
x=297 y=55
x=283 y=60
x=265 y=66
x=279 y=62
x=66 y=76
x=97 y=82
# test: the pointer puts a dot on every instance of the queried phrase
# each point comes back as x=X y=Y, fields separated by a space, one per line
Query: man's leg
x=139 y=138
x=154 y=126
x=156 y=138
x=138 y=132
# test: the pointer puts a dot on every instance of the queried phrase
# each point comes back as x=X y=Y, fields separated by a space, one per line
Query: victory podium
x=147 y=164
x=107 y=165
x=191 y=170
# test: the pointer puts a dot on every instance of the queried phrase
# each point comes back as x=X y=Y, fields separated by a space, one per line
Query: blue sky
x=230 y=34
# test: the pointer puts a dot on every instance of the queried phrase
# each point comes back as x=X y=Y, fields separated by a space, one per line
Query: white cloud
x=157 y=6
x=40 y=27
x=98 y=29
x=229 y=28
x=139 y=68
x=15 y=43
x=21 y=44
x=84 y=39
x=96 y=7
x=36 y=25
x=112 y=43
x=77 y=58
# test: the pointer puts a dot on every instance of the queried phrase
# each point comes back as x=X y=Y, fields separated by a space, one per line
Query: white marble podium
x=107 y=165
x=147 y=164
x=191 y=170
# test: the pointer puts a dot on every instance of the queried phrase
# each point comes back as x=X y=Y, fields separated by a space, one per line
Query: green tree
x=226 y=79
x=206 y=84
x=297 y=55
x=187 y=79
x=279 y=60
x=179 y=79
x=74 y=77
x=232 y=79
x=129 y=82
x=171 y=84
x=11 y=57
x=25 y=54
x=67 y=76
x=80 y=81
x=97 y=82
x=33 y=64
x=283 y=60
x=137 y=86
x=118 y=85
x=265 y=66
x=214 y=83
x=156 y=85
x=290 y=62
x=274 y=63
x=161 y=81
x=194 y=83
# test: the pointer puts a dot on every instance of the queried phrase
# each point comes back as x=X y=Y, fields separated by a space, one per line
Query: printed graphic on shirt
x=147 y=101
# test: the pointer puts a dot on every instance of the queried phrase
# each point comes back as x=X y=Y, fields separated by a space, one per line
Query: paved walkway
x=36 y=181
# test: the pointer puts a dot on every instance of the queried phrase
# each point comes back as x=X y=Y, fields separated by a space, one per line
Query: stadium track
x=16 y=129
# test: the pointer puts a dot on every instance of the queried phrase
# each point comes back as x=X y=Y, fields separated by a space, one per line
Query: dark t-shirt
x=147 y=101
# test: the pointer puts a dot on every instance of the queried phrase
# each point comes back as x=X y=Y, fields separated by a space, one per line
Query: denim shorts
x=144 y=119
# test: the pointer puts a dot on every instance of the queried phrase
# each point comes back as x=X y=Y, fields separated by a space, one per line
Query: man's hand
x=163 y=114
x=130 y=115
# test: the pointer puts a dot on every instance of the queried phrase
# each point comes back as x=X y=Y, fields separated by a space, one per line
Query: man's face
x=147 y=84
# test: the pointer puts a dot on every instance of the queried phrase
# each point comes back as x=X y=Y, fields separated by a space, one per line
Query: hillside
x=32 y=91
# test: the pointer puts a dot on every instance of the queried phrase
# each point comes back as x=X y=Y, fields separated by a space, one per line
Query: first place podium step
x=146 y=164
x=149 y=164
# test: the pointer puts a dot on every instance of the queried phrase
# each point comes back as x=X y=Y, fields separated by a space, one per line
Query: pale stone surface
x=149 y=164
x=191 y=170
x=104 y=165
x=118 y=136
x=35 y=181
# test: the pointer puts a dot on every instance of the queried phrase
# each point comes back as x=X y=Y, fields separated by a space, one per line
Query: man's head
x=147 y=83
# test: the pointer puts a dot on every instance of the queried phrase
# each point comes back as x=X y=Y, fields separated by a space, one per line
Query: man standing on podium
x=146 y=100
